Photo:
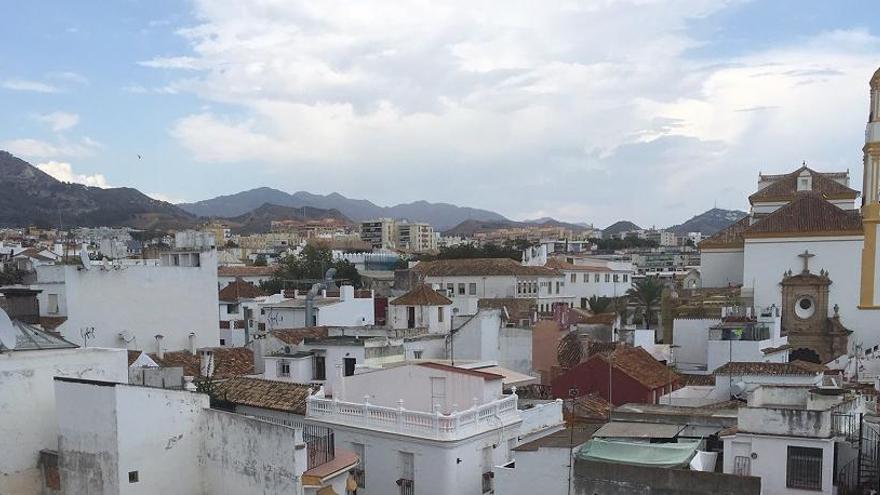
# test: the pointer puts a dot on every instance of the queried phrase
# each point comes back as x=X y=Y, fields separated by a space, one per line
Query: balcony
x=320 y=447
x=407 y=487
x=436 y=425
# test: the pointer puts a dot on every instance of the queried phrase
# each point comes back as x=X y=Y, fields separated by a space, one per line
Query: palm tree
x=646 y=293
x=598 y=304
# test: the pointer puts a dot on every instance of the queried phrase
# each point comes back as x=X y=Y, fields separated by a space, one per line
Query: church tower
x=870 y=205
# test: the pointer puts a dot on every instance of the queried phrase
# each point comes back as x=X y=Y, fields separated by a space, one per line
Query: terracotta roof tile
x=480 y=267
x=266 y=394
x=560 y=264
x=641 y=366
x=133 y=356
x=228 y=362
x=239 y=289
x=518 y=308
x=807 y=214
x=295 y=336
x=689 y=380
x=756 y=368
x=590 y=406
x=729 y=237
x=785 y=187
x=422 y=295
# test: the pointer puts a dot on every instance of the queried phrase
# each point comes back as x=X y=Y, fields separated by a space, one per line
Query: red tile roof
x=729 y=237
x=807 y=214
x=228 y=362
x=688 y=380
x=422 y=295
x=638 y=364
x=786 y=187
x=480 y=267
x=772 y=369
x=295 y=336
x=590 y=406
x=239 y=289
x=266 y=394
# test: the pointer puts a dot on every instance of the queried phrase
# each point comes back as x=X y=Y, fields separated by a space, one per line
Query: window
x=557 y=287
x=586 y=278
x=417 y=354
x=440 y=314
x=222 y=342
x=132 y=476
x=804 y=468
x=607 y=277
x=625 y=278
x=284 y=368
x=450 y=289
x=320 y=371
x=348 y=366
x=461 y=289
x=742 y=465
x=596 y=278
x=231 y=309
x=573 y=277
x=616 y=278
x=472 y=288
x=53 y=304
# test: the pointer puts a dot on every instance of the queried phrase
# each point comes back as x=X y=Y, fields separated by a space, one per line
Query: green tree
x=308 y=267
x=646 y=294
x=260 y=260
x=11 y=276
x=598 y=304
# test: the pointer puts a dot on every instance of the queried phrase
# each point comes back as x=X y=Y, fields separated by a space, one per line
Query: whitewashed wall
x=769 y=464
x=27 y=405
x=516 y=349
x=143 y=300
x=691 y=336
x=478 y=338
x=544 y=471
x=721 y=268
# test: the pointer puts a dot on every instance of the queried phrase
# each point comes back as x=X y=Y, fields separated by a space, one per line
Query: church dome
x=875 y=80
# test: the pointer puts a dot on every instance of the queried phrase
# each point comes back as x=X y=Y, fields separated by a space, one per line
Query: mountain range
x=441 y=216
x=28 y=196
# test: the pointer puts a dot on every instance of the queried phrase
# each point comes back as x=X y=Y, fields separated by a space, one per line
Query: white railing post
x=366 y=412
x=437 y=418
x=400 y=412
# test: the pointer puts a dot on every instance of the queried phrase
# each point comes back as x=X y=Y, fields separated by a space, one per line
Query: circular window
x=805 y=307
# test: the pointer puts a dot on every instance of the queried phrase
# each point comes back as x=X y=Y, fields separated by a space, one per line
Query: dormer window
x=805 y=182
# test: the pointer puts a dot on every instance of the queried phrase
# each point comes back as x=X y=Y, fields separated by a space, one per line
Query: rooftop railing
x=436 y=425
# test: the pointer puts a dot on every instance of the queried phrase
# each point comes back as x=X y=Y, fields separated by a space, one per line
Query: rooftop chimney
x=21 y=304
x=192 y=343
x=160 y=352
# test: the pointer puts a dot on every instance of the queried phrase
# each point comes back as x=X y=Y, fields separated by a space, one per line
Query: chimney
x=160 y=352
x=21 y=304
x=346 y=293
x=192 y=343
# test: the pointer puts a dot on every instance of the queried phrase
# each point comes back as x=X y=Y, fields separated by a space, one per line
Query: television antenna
x=87 y=333
x=7 y=331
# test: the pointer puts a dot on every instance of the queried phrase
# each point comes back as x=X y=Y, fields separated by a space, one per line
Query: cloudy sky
x=593 y=110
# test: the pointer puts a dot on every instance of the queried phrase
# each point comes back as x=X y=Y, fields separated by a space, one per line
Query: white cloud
x=59 y=121
x=26 y=85
x=586 y=111
x=39 y=149
x=63 y=171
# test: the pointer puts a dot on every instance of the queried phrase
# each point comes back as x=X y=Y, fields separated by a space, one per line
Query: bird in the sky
x=139 y=157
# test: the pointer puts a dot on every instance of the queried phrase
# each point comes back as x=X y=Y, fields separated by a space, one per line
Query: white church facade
x=809 y=249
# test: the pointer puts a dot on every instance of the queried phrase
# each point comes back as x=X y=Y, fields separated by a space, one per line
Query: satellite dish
x=7 y=331
x=738 y=388
x=84 y=257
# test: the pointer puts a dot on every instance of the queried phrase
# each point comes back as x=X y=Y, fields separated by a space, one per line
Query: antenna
x=7 y=331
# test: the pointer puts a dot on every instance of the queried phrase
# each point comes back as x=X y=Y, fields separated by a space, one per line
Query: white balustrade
x=436 y=425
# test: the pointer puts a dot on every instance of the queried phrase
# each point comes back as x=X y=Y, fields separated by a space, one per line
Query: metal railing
x=320 y=445
x=407 y=487
x=742 y=465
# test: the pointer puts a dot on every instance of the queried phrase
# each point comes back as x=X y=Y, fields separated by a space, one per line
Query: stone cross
x=806 y=255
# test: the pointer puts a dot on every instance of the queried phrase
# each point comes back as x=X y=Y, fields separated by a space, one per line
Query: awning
x=668 y=455
x=623 y=429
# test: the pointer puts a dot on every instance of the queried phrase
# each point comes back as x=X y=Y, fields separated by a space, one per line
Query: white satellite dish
x=7 y=331
x=84 y=257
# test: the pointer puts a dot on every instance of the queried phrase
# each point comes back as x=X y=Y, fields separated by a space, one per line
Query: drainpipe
x=310 y=297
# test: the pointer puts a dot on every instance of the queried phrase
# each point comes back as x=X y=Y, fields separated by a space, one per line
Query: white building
x=468 y=280
x=415 y=237
x=422 y=307
x=28 y=416
x=126 y=306
x=194 y=239
x=429 y=428
x=380 y=233
x=238 y=312
x=105 y=448
x=349 y=309
x=796 y=439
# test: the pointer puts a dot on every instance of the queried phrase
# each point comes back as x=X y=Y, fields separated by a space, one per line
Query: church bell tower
x=870 y=206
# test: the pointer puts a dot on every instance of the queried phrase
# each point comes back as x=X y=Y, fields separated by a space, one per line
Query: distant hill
x=618 y=227
x=709 y=222
x=441 y=215
x=28 y=196
x=470 y=227
x=260 y=219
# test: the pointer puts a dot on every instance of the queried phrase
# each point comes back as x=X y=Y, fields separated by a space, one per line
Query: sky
x=585 y=111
